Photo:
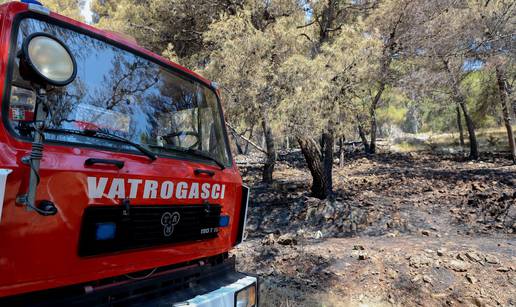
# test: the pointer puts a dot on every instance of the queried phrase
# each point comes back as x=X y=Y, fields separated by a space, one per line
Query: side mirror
x=45 y=60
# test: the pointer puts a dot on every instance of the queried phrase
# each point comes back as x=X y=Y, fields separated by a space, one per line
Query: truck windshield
x=121 y=93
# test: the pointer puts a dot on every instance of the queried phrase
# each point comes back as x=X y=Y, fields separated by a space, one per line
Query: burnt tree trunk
x=341 y=151
x=327 y=151
x=246 y=150
x=313 y=158
x=372 y=113
x=473 y=144
x=459 y=126
x=503 y=89
x=237 y=143
x=270 y=160
x=363 y=137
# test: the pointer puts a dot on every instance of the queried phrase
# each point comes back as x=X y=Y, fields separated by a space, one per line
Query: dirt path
x=402 y=230
x=406 y=270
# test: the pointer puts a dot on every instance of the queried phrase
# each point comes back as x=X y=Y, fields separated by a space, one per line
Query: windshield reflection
x=123 y=94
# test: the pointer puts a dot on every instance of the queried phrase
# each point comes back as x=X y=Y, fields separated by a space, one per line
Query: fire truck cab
x=117 y=184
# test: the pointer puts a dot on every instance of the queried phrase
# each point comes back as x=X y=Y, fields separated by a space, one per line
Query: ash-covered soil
x=402 y=229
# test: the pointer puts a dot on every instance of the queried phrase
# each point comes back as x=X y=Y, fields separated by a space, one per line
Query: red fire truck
x=117 y=185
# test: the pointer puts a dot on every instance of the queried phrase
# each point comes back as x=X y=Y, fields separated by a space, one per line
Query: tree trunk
x=372 y=113
x=312 y=155
x=341 y=151
x=237 y=143
x=459 y=99
x=372 y=145
x=363 y=137
x=504 y=90
x=270 y=161
x=459 y=126
x=327 y=150
x=246 y=151
x=473 y=144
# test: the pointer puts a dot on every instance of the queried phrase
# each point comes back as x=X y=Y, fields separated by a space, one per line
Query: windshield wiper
x=108 y=136
x=192 y=151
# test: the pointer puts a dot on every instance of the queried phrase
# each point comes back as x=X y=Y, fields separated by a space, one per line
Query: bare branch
x=307 y=37
x=308 y=24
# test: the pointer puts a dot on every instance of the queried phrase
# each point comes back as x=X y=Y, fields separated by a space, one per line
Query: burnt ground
x=403 y=229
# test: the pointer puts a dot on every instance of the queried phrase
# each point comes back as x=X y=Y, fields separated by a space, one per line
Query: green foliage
x=392 y=114
x=482 y=97
x=438 y=116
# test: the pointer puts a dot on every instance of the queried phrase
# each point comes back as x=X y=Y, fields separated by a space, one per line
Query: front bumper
x=224 y=296
x=213 y=284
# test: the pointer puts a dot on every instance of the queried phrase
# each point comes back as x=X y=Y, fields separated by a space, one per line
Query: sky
x=86 y=12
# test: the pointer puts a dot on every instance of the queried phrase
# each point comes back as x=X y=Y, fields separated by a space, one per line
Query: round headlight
x=50 y=59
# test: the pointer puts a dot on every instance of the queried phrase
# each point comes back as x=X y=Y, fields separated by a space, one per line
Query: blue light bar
x=105 y=231
x=31 y=2
x=224 y=221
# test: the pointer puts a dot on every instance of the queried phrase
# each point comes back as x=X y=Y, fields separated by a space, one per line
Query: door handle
x=199 y=171
x=117 y=163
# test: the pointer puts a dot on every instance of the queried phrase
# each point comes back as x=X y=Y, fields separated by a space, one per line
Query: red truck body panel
x=40 y=252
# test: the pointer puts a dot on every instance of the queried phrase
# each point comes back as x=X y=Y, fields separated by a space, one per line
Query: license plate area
x=107 y=229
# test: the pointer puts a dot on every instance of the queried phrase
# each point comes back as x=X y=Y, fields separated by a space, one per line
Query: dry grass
x=493 y=139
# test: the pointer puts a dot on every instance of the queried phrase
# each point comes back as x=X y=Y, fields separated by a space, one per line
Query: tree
x=68 y=8
x=247 y=51
x=440 y=37
x=395 y=22
x=454 y=76
x=171 y=27
x=317 y=110
x=461 y=32
x=330 y=21
x=504 y=90
x=493 y=29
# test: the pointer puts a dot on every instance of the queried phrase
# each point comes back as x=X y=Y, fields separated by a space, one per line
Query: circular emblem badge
x=168 y=220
